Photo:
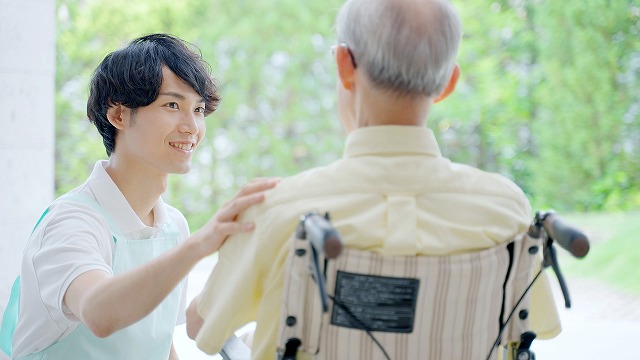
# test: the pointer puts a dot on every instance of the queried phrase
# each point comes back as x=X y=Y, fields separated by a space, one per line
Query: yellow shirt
x=392 y=193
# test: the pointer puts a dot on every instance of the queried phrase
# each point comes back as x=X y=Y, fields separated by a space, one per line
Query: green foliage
x=583 y=101
x=613 y=257
x=486 y=123
x=549 y=95
x=272 y=59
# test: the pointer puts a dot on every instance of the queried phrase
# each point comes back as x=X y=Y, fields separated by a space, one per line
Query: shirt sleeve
x=246 y=283
x=231 y=296
x=74 y=240
x=544 y=320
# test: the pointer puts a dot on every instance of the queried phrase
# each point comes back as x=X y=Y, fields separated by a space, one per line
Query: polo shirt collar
x=390 y=139
x=111 y=199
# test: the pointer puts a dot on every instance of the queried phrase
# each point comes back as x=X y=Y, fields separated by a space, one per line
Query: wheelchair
x=341 y=303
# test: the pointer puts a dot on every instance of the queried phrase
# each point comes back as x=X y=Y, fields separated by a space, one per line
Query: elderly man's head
x=407 y=47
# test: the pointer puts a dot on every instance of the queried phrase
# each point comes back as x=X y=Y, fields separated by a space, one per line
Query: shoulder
x=309 y=183
x=496 y=186
x=70 y=215
x=70 y=230
x=493 y=182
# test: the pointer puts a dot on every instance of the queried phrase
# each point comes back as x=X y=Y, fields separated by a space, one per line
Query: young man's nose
x=189 y=124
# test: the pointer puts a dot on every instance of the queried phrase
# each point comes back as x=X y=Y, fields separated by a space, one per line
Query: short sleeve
x=545 y=320
x=230 y=297
x=73 y=240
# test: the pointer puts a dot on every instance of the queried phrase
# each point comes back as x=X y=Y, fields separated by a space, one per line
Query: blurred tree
x=486 y=121
x=549 y=95
x=588 y=124
x=272 y=58
x=277 y=116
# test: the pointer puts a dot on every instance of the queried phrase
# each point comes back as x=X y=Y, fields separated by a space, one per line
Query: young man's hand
x=224 y=223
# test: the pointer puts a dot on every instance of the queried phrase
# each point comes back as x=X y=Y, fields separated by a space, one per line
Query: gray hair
x=406 y=47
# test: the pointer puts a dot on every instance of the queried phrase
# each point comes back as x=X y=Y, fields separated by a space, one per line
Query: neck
x=141 y=188
x=375 y=107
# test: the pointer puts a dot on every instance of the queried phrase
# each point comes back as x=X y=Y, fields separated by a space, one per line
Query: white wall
x=27 y=116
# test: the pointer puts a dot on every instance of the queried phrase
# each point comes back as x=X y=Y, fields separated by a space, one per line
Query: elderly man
x=391 y=193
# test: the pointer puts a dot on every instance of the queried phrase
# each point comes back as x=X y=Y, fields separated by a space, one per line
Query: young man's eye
x=200 y=109
x=173 y=105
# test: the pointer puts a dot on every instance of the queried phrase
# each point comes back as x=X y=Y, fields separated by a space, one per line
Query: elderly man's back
x=392 y=193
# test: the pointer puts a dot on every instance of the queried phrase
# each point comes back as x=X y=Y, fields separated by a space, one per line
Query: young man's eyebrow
x=178 y=96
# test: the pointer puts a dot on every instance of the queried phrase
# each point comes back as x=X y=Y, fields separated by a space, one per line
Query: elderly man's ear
x=346 y=67
x=455 y=75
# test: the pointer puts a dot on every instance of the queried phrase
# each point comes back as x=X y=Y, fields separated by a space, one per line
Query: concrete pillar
x=27 y=125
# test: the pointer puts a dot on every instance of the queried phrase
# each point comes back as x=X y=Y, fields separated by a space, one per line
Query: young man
x=103 y=274
x=392 y=193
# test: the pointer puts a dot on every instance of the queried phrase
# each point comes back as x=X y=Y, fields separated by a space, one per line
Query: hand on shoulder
x=224 y=223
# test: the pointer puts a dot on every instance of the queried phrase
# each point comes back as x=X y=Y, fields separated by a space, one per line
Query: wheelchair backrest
x=407 y=307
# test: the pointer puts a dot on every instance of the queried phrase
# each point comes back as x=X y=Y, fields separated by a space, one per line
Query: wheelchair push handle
x=568 y=237
x=322 y=235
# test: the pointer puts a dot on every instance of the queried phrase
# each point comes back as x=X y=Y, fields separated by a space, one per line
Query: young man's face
x=162 y=136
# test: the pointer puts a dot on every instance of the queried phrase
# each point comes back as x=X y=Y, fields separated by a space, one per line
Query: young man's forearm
x=194 y=320
x=173 y=355
x=107 y=304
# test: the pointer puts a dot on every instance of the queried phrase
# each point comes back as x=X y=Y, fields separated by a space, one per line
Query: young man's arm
x=106 y=304
x=172 y=354
x=194 y=320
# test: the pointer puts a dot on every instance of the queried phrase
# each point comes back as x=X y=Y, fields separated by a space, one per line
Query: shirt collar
x=111 y=199
x=391 y=139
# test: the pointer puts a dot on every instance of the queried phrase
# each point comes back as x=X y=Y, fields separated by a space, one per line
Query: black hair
x=132 y=77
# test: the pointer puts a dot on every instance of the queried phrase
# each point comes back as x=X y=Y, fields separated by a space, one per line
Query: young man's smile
x=186 y=147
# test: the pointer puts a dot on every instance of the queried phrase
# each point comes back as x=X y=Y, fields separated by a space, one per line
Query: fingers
x=258 y=184
x=215 y=232
x=249 y=194
x=266 y=178
x=225 y=229
x=232 y=210
x=224 y=223
x=220 y=232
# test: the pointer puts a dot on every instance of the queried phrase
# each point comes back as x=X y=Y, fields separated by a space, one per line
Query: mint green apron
x=149 y=338
x=10 y=318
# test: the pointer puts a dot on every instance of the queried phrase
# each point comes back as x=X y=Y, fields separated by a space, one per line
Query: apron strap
x=92 y=203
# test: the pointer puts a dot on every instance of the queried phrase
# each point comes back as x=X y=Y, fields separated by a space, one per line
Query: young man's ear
x=346 y=67
x=115 y=115
x=455 y=75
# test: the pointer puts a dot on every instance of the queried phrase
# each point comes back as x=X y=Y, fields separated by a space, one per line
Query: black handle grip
x=322 y=235
x=567 y=236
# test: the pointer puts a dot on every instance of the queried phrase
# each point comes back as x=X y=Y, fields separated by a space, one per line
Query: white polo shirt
x=71 y=239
